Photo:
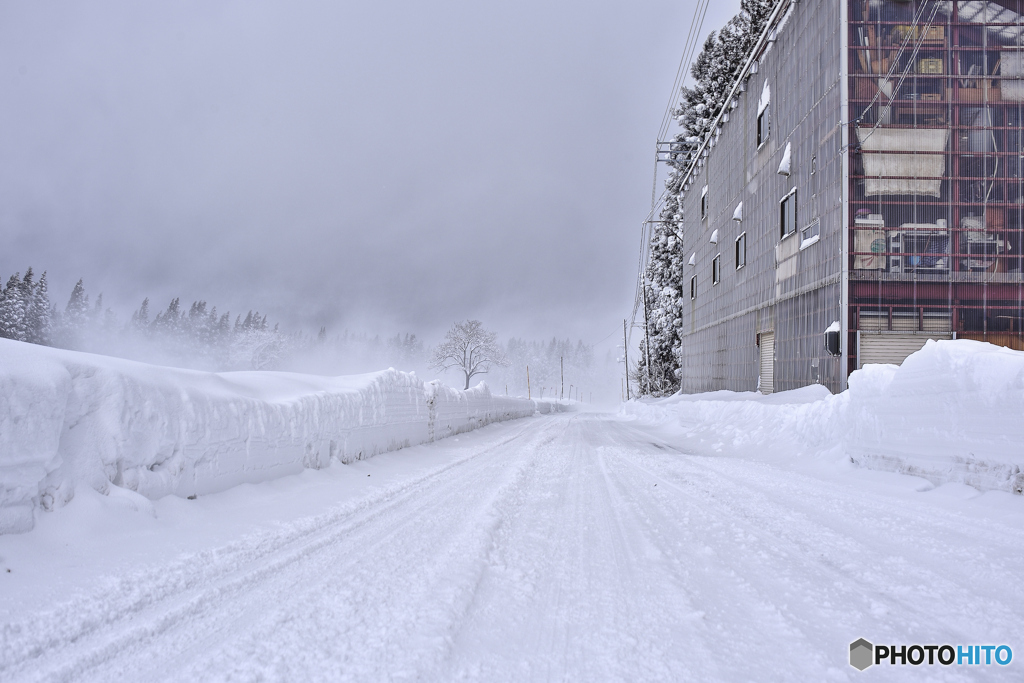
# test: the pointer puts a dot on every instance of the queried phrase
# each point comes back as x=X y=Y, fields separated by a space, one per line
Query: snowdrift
x=70 y=419
x=953 y=412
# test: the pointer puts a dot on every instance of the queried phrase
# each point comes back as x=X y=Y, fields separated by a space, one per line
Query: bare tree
x=470 y=348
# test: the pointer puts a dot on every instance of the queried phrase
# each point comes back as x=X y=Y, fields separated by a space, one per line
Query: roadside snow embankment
x=953 y=412
x=70 y=419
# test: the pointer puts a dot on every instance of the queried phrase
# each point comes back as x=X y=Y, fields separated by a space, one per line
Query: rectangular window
x=810 y=234
x=763 y=127
x=716 y=270
x=693 y=287
x=741 y=251
x=763 y=119
x=787 y=214
x=704 y=203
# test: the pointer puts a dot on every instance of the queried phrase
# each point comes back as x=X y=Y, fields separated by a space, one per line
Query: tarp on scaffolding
x=919 y=174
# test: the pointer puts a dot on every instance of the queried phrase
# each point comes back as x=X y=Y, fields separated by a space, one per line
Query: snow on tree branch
x=469 y=348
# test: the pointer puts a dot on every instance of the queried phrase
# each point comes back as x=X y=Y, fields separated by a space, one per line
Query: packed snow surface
x=69 y=420
x=582 y=547
x=724 y=537
x=953 y=412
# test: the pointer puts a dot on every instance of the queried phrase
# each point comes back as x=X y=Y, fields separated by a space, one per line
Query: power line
x=692 y=40
x=687 y=58
x=696 y=25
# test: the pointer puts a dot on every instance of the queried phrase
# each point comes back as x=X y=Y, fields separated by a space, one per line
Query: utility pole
x=647 y=337
x=528 y=395
x=625 y=355
x=561 y=370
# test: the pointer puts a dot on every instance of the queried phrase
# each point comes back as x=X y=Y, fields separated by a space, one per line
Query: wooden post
x=528 y=382
x=647 y=338
x=625 y=355
x=561 y=371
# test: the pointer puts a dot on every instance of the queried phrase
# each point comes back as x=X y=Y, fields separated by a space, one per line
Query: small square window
x=693 y=287
x=787 y=214
x=716 y=270
x=741 y=251
x=763 y=127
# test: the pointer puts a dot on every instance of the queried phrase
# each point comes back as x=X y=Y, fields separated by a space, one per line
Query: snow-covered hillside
x=951 y=413
x=69 y=419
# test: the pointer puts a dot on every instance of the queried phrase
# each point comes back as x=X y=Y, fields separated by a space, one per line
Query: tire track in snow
x=397 y=626
x=552 y=555
x=138 y=609
x=810 y=550
x=570 y=592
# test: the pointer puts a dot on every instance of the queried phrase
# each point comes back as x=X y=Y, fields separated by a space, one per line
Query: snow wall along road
x=70 y=419
x=953 y=412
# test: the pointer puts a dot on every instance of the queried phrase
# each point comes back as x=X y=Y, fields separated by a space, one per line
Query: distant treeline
x=202 y=338
x=198 y=337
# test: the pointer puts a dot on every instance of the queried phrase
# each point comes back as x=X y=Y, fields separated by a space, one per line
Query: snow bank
x=70 y=419
x=953 y=412
x=547 y=406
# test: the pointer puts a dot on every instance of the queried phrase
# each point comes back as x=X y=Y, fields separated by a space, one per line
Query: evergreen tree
x=198 y=326
x=97 y=317
x=77 y=310
x=714 y=73
x=140 y=318
x=37 y=314
x=12 y=310
x=168 y=323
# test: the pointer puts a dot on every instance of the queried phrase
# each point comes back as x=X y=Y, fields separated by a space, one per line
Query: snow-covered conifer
x=141 y=317
x=714 y=73
x=77 y=310
x=37 y=312
x=12 y=310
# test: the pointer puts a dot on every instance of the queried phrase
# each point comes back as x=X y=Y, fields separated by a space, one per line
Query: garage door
x=767 y=362
x=891 y=348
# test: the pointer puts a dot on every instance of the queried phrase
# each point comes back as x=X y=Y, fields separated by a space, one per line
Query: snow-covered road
x=578 y=547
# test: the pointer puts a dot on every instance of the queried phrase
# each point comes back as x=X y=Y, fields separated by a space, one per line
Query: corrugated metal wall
x=937 y=170
x=789 y=286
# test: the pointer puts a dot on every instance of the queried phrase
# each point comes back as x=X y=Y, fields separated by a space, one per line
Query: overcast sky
x=386 y=166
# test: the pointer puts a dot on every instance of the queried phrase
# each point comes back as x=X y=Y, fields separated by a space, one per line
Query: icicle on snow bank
x=951 y=413
x=70 y=419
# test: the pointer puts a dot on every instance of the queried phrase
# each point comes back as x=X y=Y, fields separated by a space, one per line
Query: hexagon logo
x=862 y=654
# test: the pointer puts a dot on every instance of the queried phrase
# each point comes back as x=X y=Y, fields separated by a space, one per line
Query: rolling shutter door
x=892 y=348
x=767 y=362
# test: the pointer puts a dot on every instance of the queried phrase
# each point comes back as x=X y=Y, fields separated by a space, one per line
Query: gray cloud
x=382 y=165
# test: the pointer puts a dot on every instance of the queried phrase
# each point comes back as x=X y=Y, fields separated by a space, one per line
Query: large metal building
x=866 y=175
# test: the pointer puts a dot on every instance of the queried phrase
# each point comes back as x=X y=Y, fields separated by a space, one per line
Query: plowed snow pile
x=70 y=419
x=953 y=412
